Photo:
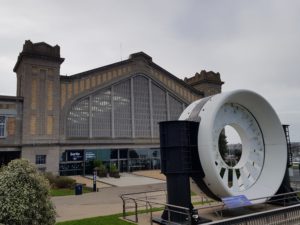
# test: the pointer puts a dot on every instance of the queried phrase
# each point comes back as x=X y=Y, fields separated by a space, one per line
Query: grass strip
x=114 y=219
x=100 y=220
x=67 y=191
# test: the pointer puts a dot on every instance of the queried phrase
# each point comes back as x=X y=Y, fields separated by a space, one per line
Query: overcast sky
x=253 y=44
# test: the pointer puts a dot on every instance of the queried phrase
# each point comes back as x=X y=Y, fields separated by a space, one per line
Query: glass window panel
x=90 y=155
x=123 y=153
x=155 y=153
x=133 y=154
x=114 y=154
x=159 y=107
x=139 y=153
x=40 y=159
x=141 y=107
x=78 y=119
x=103 y=154
x=101 y=114
x=122 y=109
x=175 y=108
x=2 y=126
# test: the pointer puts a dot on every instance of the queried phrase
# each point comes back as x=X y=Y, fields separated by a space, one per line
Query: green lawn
x=101 y=220
x=67 y=191
x=111 y=219
x=193 y=193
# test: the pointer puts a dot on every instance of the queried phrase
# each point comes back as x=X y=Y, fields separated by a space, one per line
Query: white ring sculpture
x=260 y=171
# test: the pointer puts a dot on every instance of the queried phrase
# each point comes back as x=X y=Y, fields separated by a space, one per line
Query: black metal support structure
x=285 y=186
x=179 y=160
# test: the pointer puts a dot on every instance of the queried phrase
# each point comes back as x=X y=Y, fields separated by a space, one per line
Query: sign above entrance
x=75 y=155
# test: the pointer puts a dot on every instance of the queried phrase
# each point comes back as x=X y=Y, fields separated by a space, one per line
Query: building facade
x=111 y=113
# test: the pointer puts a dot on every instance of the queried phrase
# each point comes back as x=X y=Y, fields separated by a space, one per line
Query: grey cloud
x=253 y=44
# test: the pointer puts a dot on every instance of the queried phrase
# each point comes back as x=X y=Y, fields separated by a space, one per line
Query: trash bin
x=78 y=189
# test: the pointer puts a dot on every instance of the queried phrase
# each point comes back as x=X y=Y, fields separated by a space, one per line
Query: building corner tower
x=38 y=82
x=208 y=82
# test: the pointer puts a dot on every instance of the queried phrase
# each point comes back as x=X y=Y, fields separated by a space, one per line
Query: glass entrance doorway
x=123 y=165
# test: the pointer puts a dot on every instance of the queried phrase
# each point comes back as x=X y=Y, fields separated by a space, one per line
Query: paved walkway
x=156 y=174
x=89 y=182
x=105 y=202
x=128 y=179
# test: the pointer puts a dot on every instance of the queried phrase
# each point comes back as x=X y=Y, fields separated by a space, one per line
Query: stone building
x=111 y=113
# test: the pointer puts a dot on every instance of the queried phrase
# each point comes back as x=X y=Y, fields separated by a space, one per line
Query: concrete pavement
x=128 y=179
x=105 y=202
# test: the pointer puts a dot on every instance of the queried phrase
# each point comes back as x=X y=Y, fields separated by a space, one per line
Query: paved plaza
x=105 y=202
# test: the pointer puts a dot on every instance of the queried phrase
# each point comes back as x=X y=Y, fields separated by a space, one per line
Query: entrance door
x=123 y=165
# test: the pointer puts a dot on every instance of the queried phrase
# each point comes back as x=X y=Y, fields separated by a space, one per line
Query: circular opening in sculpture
x=230 y=146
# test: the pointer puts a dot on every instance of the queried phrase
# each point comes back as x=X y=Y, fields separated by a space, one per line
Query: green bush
x=114 y=172
x=100 y=168
x=60 y=181
x=51 y=178
x=24 y=195
x=97 y=163
x=64 y=182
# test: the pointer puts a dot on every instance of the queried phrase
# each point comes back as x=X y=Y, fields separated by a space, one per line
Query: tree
x=24 y=195
x=223 y=148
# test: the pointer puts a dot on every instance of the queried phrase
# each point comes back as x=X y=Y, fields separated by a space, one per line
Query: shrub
x=51 y=178
x=64 y=182
x=114 y=172
x=60 y=182
x=25 y=195
x=97 y=163
x=100 y=168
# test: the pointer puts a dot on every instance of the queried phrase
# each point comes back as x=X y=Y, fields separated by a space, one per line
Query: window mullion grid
x=132 y=108
x=90 y=118
x=112 y=113
x=168 y=105
x=151 y=108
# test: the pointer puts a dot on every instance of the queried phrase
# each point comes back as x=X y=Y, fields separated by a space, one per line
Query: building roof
x=133 y=57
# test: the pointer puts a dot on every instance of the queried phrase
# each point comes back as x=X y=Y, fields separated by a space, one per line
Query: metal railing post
x=189 y=216
x=169 y=214
x=124 y=207
x=136 y=213
x=151 y=216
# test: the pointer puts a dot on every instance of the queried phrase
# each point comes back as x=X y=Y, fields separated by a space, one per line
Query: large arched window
x=129 y=109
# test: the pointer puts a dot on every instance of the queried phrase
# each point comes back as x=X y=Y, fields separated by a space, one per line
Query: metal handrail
x=168 y=207
x=142 y=192
x=255 y=215
x=186 y=211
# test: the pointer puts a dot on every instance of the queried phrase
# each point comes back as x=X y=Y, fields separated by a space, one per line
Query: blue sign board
x=236 y=201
